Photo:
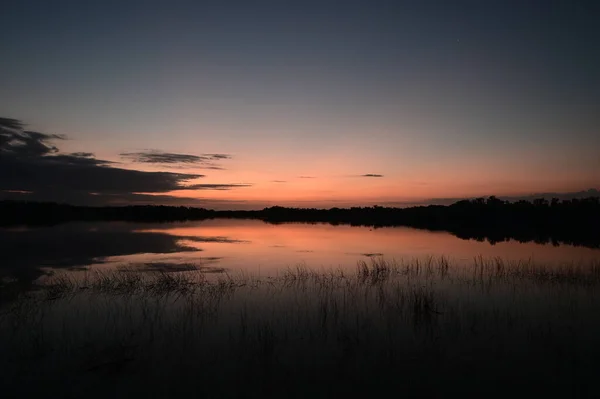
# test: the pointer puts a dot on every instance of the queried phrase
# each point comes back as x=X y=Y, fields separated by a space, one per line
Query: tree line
x=573 y=221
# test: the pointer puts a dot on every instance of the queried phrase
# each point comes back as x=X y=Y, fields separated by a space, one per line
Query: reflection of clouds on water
x=372 y=255
x=367 y=254
x=248 y=245
x=223 y=240
x=27 y=253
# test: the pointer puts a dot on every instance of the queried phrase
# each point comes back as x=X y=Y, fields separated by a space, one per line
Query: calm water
x=250 y=245
x=425 y=334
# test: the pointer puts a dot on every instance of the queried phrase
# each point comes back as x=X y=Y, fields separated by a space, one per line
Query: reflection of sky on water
x=244 y=245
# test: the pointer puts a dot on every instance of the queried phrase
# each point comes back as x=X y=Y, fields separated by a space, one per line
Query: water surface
x=251 y=245
x=423 y=331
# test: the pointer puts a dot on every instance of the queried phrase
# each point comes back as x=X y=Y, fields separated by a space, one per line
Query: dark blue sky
x=442 y=98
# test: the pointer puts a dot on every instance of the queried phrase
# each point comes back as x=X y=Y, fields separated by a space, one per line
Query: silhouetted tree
x=572 y=221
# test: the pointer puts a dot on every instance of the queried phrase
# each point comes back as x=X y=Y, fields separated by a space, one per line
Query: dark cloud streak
x=30 y=162
x=371 y=175
x=167 y=158
x=216 y=186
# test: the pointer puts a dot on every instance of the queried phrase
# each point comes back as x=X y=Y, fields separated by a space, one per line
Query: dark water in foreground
x=467 y=328
x=249 y=245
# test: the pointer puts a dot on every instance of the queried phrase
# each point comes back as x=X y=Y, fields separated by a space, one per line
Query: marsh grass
x=424 y=327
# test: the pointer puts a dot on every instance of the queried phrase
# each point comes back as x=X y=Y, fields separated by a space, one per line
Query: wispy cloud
x=306 y=177
x=30 y=162
x=371 y=175
x=207 y=161
x=278 y=181
x=216 y=186
x=218 y=156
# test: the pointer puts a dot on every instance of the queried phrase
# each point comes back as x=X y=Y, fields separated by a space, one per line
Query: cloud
x=278 y=181
x=218 y=156
x=83 y=154
x=31 y=162
x=78 y=158
x=10 y=124
x=216 y=186
x=26 y=144
x=306 y=177
x=207 y=161
x=371 y=175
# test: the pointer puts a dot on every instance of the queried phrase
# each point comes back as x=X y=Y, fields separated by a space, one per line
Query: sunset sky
x=303 y=103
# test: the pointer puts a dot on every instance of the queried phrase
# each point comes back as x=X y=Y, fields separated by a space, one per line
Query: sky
x=244 y=104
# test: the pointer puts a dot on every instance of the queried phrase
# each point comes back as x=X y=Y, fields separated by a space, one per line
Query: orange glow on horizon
x=337 y=180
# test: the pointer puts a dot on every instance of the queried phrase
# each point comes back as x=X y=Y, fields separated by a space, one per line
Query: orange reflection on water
x=274 y=247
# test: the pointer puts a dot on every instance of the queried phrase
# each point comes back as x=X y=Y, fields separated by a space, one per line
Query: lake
x=306 y=318
x=253 y=246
